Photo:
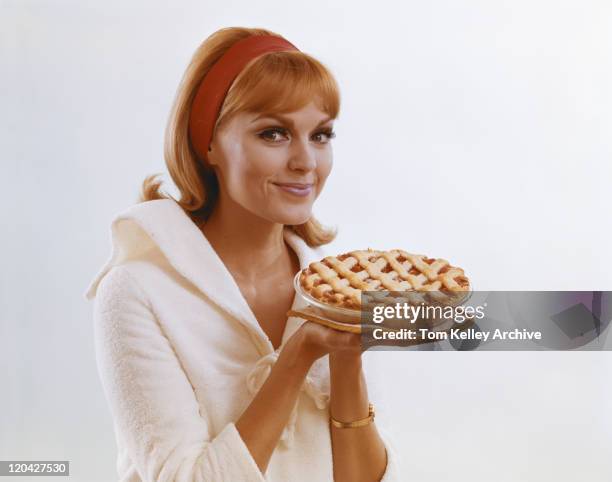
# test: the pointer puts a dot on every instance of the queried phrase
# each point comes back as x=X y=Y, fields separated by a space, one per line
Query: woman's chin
x=294 y=218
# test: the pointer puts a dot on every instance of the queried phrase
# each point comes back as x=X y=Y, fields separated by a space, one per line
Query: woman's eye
x=273 y=134
x=276 y=134
x=327 y=136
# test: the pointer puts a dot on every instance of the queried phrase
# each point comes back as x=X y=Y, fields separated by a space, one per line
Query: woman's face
x=274 y=166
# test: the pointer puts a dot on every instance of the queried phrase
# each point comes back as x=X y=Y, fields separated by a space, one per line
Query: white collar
x=163 y=224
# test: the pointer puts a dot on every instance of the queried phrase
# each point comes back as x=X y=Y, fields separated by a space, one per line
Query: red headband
x=213 y=88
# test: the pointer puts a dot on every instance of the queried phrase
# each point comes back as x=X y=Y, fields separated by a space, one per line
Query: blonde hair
x=275 y=82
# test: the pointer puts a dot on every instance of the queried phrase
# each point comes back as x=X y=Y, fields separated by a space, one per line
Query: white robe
x=180 y=356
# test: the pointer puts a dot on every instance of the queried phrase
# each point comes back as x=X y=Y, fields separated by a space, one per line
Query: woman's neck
x=251 y=247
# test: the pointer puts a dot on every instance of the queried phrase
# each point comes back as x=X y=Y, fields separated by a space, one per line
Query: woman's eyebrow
x=284 y=119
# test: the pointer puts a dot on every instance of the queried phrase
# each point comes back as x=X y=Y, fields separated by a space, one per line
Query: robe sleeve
x=156 y=414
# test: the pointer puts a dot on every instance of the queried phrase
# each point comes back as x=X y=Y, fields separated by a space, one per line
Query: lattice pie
x=339 y=280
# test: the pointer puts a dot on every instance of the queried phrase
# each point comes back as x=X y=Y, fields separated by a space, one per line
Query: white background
x=477 y=131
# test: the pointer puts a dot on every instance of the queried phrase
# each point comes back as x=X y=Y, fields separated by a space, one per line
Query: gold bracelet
x=357 y=423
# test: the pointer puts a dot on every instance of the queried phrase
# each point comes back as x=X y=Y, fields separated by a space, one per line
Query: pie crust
x=339 y=280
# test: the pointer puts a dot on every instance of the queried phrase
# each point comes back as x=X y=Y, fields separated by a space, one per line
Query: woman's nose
x=302 y=155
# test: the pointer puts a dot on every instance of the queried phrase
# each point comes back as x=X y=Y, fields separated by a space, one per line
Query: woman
x=206 y=377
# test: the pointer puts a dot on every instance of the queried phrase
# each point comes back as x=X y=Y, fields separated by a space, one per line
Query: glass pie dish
x=325 y=310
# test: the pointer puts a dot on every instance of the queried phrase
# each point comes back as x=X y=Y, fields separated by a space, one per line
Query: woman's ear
x=210 y=155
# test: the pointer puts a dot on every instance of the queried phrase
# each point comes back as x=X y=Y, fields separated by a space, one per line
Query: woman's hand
x=315 y=340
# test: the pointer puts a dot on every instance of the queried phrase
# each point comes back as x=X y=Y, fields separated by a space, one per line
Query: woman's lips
x=296 y=189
